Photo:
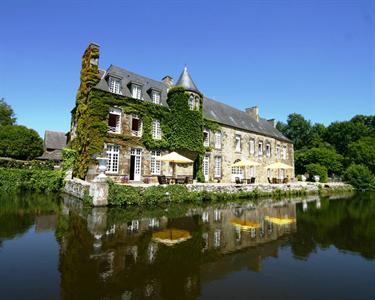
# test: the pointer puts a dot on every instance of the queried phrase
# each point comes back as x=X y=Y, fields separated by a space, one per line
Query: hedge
x=9 y=163
x=12 y=180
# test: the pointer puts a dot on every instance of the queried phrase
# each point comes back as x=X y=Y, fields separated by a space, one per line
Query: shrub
x=9 y=163
x=30 y=180
x=360 y=177
x=123 y=195
x=316 y=169
x=68 y=158
x=20 y=142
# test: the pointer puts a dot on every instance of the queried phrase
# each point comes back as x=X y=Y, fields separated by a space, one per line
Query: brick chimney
x=253 y=112
x=168 y=80
x=273 y=122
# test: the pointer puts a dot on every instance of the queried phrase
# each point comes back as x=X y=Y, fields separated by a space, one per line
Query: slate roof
x=51 y=155
x=54 y=140
x=212 y=110
x=186 y=81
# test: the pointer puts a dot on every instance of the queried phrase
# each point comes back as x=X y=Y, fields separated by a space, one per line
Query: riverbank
x=149 y=195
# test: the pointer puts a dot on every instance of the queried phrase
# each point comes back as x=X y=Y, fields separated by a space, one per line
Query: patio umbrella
x=245 y=224
x=171 y=236
x=279 y=165
x=175 y=158
x=280 y=221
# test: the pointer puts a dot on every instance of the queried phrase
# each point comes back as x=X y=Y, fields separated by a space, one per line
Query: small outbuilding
x=54 y=142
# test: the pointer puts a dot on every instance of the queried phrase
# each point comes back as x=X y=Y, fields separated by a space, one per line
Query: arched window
x=197 y=103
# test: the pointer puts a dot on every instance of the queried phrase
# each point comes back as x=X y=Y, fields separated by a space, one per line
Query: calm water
x=51 y=248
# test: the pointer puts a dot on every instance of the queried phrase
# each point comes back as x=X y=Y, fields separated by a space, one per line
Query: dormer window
x=155 y=95
x=114 y=85
x=114 y=120
x=206 y=138
x=136 y=126
x=136 y=91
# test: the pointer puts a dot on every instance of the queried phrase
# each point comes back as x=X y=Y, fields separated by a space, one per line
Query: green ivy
x=182 y=128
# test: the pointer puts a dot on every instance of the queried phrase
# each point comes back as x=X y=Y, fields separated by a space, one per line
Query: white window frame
x=268 y=149
x=278 y=151
x=191 y=102
x=136 y=91
x=218 y=139
x=115 y=85
x=140 y=127
x=156 y=129
x=252 y=146
x=206 y=137
x=252 y=171
x=117 y=112
x=155 y=163
x=285 y=152
x=206 y=167
x=196 y=103
x=218 y=166
x=156 y=96
x=260 y=148
x=238 y=143
x=113 y=154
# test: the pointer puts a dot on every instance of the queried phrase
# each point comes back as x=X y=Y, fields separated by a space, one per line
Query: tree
x=341 y=134
x=363 y=152
x=298 y=129
x=316 y=169
x=326 y=157
x=6 y=114
x=20 y=142
x=360 y=177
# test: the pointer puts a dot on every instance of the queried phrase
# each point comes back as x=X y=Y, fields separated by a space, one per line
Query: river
x=321 y=248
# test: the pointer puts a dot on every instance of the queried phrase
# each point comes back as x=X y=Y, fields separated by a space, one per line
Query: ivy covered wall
x=182 y=128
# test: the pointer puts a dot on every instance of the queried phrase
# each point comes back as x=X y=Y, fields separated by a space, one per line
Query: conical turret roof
x=186 y=82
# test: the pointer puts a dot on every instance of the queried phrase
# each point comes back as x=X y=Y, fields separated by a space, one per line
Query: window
x=217 y=166
x=191 y=102
x=155 y=97
x=206 y=138
x=252 y=171
x=114 y=120
x=217 y=238
x=156 y=130
x=114 y=85
x=252 y=147
x=260 y=148
x=268 y=150
x=113 y=153
x=136 y=91
x=285 y=152
x=238 y=143
x=136 y=126
x=218 y=140
x=196 y=103
x=269 y=173
x=155 y=162
x=278 y=151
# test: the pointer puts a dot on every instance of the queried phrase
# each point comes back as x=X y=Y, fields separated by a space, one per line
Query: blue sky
x=314 y=57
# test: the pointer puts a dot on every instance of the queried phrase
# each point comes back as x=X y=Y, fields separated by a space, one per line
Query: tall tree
x=6 y=114
x=298 y=129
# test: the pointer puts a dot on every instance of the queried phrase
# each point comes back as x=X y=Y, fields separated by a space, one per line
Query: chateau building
x=135 y=120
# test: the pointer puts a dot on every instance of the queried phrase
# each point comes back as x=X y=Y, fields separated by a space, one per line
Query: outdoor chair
x=269 y=180
x=162 y=179
x=274 y=180
x=285 y=180
x=188 y=180
x=252 y=180
x=238 y=180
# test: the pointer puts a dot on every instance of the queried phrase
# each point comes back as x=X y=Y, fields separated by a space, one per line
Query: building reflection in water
x=117 y=255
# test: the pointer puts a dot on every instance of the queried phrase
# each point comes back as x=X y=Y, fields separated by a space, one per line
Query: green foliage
x=316 y=169
x=123 y=195
x=363 y=152
x=6 y=114
x=326 y=157
x=30 y=180
x=186 y=126
x=68 y=158
x=341 y=134
x=9 y=163
x=20 y=142
x=360 y=177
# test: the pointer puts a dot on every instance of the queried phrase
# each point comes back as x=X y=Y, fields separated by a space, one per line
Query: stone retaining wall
x=76 y=187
